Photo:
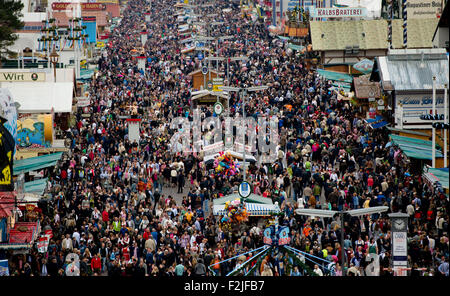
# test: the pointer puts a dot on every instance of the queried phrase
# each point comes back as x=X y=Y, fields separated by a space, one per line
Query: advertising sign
x=283 y=236
x=417 y=9
x=400 y=249
x=413 y=106
x=267 y=236
x=365 y=66
x=339 y=12
x=217 y=84
x=84 y=6
x=245 y=189
x=22 y=77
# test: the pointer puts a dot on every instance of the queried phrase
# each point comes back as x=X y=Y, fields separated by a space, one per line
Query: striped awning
x=253 y=209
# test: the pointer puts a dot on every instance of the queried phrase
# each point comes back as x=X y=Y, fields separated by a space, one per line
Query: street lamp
x=54 y=58
x=330 y=214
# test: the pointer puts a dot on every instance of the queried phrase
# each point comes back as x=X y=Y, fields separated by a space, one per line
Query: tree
x=10 y=13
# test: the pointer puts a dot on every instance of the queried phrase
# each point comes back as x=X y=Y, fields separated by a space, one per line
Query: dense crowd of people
x=113 y=201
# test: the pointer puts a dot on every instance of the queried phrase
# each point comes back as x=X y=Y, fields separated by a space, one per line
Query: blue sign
x=91 y=30
x=200 y=56
x=245 y=189
x=276 y=238
x=4 y=268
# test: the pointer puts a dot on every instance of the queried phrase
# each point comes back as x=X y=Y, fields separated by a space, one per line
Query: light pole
x=331 y=214
x=243 y=91
x=54 y=58
x=445 y=122
x=433 y=130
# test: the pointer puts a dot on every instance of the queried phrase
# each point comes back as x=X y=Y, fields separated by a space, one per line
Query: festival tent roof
x=253 y=209
x=413 y=69
x=254 y=198
x=42 y=97
x=415 y=148
x=36 y=163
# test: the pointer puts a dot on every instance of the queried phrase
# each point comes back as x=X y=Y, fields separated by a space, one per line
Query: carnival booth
x=255 y=205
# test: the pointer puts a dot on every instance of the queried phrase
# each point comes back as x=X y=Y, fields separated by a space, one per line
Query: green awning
x=86 y=74
x=295 y=47
x=441 y=175
x=335 y=76
x=283 y=38
x=36 y=186
x=253 y=198
x=415 y=148
x=35 y=163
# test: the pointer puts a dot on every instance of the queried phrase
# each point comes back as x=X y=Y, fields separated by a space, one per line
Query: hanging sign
x=339 y=12
x=218 y=108
x=245 y=189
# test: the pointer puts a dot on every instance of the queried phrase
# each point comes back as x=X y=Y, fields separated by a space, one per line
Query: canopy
x=415 y=148
x=253 y=198
x=335 y=76
x=36 y=186
x=437 y=175
x=379 y=124
x=35 y=163
x=253 y=209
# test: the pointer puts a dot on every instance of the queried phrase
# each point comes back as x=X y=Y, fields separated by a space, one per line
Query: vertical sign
x=399 y=222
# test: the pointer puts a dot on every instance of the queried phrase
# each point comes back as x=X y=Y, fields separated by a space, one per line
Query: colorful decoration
x=224 y=165
x=236 y=213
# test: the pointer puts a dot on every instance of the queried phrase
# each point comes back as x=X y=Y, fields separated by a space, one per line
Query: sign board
x=218 y=108
x=200 y=56
x=205 y=70
x=364 y=66
x=413 y=106
x=421 y=9
x=339 y=12
x=245 y=189
x=283 y=236
x=267 y=236
x=84 y=6
x=83 y=102
x=400 y=245
x=217 y=83
x=209 y=85
x=100 y=44
x=22 y=77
